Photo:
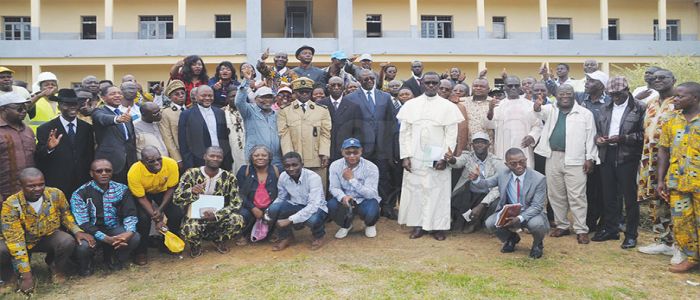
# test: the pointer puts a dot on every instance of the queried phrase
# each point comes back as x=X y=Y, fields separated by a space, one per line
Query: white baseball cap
x=12 y=98
x=264 y=91
x=366 y=57
x=481 y=135
x=600 y=76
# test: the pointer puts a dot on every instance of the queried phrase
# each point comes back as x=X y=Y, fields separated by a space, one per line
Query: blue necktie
x=371 y=102
x=71 y=133
x=126 y=132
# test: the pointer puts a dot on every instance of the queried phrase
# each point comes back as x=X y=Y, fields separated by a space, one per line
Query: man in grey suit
x=114 y=133
x=518 y=184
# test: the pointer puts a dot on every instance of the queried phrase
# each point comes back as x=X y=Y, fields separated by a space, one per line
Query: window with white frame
x=155 y=27
x=673 y=30
x=613 y=29
x=436 y=27
x=17 y=28
x=499 y=28
x=560 y=29
x=374 y=25
x=223 y=26
x=88 y=27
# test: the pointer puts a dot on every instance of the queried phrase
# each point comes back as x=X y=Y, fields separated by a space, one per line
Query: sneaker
x=661 y=248
x=342 y=232
x=371 y=231
x=678 y=255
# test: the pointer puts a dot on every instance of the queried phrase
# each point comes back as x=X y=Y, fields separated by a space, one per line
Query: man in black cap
x=305 y=54
x=65 y=146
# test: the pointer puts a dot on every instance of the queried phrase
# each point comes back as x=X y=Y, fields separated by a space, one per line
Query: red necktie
x=517 y=185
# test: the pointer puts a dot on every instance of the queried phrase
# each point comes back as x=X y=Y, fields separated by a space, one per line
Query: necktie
x=370 y=101
x=71 y=132
x=303 y=107
x=335 y=104
x=517 y=187
x=126 y=132
x=397 y=104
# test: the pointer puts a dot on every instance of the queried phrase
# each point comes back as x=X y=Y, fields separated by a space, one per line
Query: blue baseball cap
x=339 y=55
x=351 y=142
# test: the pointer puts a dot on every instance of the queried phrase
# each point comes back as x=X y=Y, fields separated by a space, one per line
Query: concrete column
x=253 y=31
x=181 y=19
x=36 y=69
x=481 y=66
x=662 y=20
x=109 y=17
x=35 y=8
x=480 y=19
x=604 y=20
x=605 y=67
x=413 y=8
x=544 y=20
x=345 y=27
x=109 y=72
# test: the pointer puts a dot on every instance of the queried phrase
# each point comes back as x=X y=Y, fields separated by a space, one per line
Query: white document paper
x=431 y=154
x=203 y=203
x=467 y=215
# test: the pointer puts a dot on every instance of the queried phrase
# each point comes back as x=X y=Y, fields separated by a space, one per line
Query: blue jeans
x=283 y=210
x=368 y=210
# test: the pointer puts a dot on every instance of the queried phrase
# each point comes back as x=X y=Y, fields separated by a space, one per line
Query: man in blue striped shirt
x=354 y=186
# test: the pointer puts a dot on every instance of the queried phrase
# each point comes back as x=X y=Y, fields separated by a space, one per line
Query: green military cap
x=302 y=83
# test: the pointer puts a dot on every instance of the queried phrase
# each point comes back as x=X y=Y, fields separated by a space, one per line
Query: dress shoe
x=605 y=235
x=537 y=250
x=683 y=267
x=558 y=232
x=416 y=233
x=282 y=244
x=317 y=243
x=509 y=245
x=140 y=259
x=582 y=238
x=439 y=235
x=389 y=213
x=629 y=243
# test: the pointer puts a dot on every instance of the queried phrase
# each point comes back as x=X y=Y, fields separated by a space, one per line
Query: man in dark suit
x=65 y=146
x=200 y=127
x=346 y=116
x=523 y=185
x=114 y=133
x=414 y=83
x=378 y=123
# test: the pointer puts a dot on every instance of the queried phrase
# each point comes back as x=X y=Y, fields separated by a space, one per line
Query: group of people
x=111 y=167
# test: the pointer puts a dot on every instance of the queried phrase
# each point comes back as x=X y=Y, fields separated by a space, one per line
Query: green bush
x=685 y=68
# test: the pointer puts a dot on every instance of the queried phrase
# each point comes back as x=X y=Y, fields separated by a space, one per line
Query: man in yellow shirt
x=153 y=179
x=679 y=158
x=31 y=222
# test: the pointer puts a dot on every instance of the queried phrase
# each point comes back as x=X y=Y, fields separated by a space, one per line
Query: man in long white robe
x=428 y=129
x=514 y=122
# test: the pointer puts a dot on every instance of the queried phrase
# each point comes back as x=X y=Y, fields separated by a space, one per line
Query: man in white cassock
x=514 y=122
x=428 y=129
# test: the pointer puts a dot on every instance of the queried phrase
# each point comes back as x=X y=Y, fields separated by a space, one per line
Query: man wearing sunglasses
x=153 y=179
x=17 y=142
x=106 y=210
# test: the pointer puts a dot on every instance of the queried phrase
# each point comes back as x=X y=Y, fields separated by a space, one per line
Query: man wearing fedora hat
x=65 y=146
x=305 y=54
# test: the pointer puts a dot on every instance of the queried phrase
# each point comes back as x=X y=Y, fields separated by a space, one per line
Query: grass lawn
x=390 y=266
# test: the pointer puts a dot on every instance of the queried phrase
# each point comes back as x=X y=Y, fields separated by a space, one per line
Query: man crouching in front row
x=518 y=184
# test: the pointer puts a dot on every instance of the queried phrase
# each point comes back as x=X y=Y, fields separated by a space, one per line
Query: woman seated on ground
x=256 y=196
x=192 y=72
x=223 y=80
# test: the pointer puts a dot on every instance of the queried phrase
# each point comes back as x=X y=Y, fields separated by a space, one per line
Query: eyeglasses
x=431 y=82
x=153 y=161
x=103 y=171
x=514 y=164
x=366 y=79
x=512 y=86
x=17 y=107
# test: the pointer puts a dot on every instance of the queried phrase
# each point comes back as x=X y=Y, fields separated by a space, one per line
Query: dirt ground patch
x=465 y=266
